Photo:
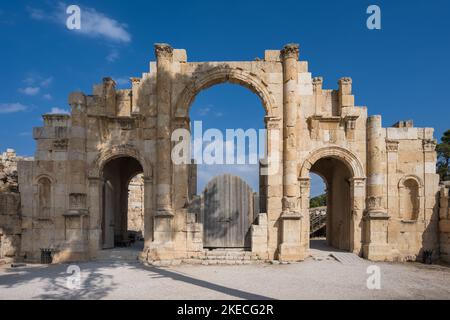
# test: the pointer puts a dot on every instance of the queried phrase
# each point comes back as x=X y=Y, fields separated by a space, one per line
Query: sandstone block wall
x=444 y=223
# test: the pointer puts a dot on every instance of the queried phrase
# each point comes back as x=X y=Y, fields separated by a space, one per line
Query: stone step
x=347 y=258
x=221 y=261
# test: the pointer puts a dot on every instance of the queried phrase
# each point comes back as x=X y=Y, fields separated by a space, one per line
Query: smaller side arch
x=346 y=156
x=410 y=191
x=44 y=175
x=402 y=180
x=105 y=155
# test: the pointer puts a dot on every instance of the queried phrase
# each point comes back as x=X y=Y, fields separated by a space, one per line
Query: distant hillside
x=319 y=201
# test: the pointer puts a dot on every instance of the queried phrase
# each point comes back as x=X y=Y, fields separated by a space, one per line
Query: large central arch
x=208 y=75
x=222 y=74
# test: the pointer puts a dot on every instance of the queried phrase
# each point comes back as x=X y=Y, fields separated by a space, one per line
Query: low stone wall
x=10 y=217
x=444 y=223
x=136 y=204
x=10 y=225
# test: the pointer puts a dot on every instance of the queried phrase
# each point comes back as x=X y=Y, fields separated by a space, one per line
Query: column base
x=291 y=252
x=157 y=252
x=377 y=252
x=376 y=247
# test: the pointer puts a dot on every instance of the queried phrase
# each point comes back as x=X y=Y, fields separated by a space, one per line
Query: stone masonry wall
x=136 y=204
x=444 y=223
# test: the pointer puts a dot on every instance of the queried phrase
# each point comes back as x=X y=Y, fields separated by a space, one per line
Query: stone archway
x=344 y=176
x=97 y=189
x=208 y=75
x=222 y=74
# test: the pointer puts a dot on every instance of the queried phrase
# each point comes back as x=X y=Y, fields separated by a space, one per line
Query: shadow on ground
x=96 y=283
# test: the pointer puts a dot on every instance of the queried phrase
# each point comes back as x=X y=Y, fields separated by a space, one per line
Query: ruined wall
x=10 y=214
x=444 y=223
x=136 y=204
x=410 y=188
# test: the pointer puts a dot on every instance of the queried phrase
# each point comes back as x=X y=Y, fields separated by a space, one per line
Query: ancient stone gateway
x=382 y=182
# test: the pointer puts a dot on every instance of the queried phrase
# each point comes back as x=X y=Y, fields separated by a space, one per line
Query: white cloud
x=30 y=91
x=47 y=96
x=96 y=24
x=37 y=14
x=203 y=111
x=249 y=173
x=45 y=83
x=112 y=56
x=122 y=81
x=57 y=110
x=93 y=23
x=12 y=107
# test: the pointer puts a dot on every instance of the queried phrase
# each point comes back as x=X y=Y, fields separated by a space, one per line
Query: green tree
x=319 y=201
x=443 y=153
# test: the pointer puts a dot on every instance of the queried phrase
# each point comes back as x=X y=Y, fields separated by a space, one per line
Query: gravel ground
x=311 y=279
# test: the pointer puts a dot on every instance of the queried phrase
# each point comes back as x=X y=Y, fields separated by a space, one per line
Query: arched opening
x=117 y=174
x=334 y=225
x=240 y=140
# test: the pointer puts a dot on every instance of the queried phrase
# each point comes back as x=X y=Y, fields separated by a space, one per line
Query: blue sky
x=400 y=71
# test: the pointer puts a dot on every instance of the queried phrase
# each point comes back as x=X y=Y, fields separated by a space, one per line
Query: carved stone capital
x=135 y=80
x=373 y=203
x=289 y=204
x=429 y=145
x=392 y=145
x=272 y=122
x=350 y=122
x=180 y=122
x=317 y=83
x=109 y=81
x=290 y=50
x=304 y=183
x=358 y=182
x=345 y=81
x=163 y=50
x=60 y=144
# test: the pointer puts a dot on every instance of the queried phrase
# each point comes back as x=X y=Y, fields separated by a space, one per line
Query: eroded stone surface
x=381 y=181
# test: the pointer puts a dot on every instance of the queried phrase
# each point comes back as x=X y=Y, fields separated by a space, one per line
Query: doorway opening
x=330 y=211
x=122 y=227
